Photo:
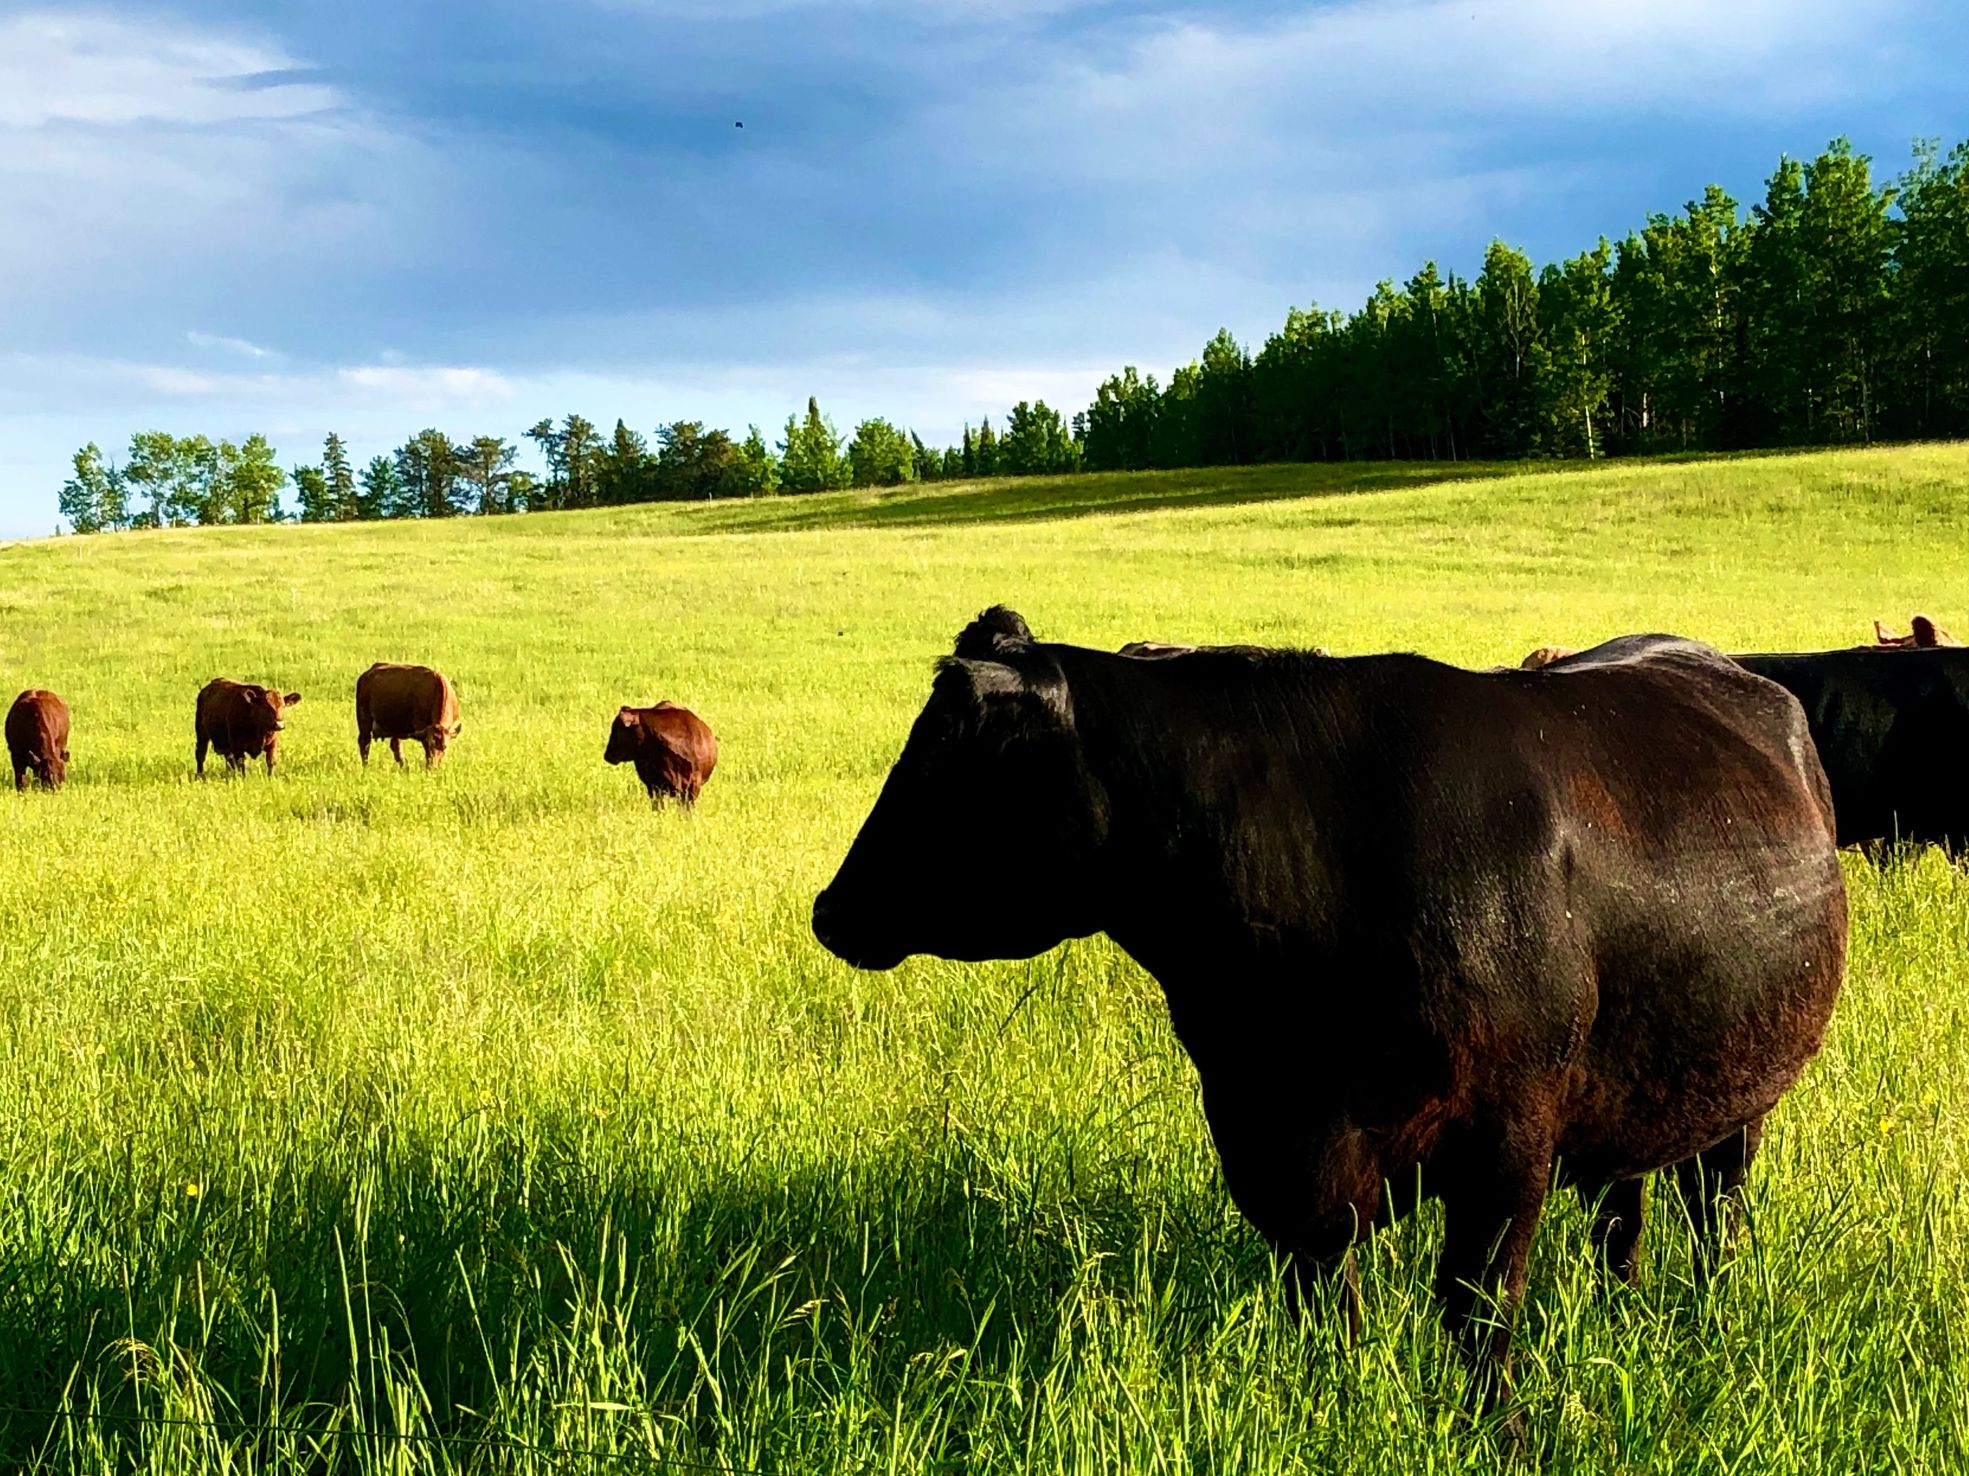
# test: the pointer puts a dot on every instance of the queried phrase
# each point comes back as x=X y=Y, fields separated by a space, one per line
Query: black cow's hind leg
x=1711 y=1185
x=1491 y=1208
x=1617 y=1220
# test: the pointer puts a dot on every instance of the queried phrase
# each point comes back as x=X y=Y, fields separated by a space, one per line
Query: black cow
x=1417 y=926
x=1892 y=729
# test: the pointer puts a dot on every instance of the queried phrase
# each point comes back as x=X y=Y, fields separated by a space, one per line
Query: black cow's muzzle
x=837 y=937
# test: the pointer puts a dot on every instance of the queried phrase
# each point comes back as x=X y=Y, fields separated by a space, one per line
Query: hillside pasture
x=485 y=1119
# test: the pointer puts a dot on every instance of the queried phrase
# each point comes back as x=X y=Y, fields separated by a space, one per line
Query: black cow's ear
x=994 y=633
x=628 y=717
x=291 y=698
x=1035 y=689
x=249 y=695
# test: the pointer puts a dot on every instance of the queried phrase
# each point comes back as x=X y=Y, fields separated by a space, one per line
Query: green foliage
x=92 y=501
x=381 y=490
x=429 y=478
x=311 y=493
x=1036 y=442
x=195 y=480
x=758 y=467
x=339 y=480
x=366 y=1122
x=985 y=450
x=810 y=458
x=484 y=468
x=626 y=471
x=695 y=464
x=576 y=463
x=880 y=456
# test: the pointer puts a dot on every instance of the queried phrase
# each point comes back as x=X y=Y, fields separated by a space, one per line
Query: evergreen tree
x=427 y=477
x=758 y=468
x=381 y=491
x=810 y=455
x=694 y=463
x=1036 y=442
x=1121 y=422
x=1224 y=420
x=625 y=470
x=987 y=449
x=339 y=479
x=928 y=463
x=484 y=468
x=311 y=494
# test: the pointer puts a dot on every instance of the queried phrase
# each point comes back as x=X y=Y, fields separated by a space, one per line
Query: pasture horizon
x=353 y=1117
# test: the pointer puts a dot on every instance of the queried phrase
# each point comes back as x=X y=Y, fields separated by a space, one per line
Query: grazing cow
x=396 y=702
x=37 y=738
x=241 y=721
x=673 y=749
x=1922 y=632
x=1892 y=729
x=1890 y=723
x=1417 y=927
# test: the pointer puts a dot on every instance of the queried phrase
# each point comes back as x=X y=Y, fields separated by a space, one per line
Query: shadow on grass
x=1096 y=494
x=520 y=1278
x=1092 y=494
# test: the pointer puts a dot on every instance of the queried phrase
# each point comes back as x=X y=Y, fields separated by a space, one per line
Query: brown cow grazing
x=1922 y=632
x=396 y=702
x=242 y=721
x=673 y=749
x=1544 y=656
x=37 y=738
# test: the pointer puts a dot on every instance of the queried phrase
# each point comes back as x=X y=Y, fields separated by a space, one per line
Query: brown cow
x=37 y=738
x=1922 y=632
x=396 y=702
x=673 y=749
x=1544 y=656
x=242 y=721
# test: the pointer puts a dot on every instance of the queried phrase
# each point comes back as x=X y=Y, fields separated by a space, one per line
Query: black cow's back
x=1892 y=730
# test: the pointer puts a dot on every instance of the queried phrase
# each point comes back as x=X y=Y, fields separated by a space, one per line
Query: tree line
x=1835 y=311
x=179 y=481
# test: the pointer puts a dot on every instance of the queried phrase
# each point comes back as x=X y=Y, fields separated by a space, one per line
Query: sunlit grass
x=472 y=1120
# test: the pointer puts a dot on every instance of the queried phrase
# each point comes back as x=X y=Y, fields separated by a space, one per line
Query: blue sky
x=377 y=216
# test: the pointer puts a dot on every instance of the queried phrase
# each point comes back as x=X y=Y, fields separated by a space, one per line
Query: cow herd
x=672 y=749
x=1427 y=932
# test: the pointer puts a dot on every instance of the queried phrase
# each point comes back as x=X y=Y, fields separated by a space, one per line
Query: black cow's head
x=986 y=838
x=624 y=737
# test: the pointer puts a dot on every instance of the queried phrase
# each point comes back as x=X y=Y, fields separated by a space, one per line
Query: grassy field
x=484 y=1120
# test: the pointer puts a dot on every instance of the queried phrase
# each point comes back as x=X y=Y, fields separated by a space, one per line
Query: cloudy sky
x=372 y=216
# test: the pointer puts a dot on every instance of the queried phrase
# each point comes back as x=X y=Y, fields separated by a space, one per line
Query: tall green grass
x=484 y=1120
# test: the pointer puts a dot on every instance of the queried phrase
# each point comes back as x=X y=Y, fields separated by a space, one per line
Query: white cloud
x=432 y=385
x=239 y=346
x=163 y=163
x=58 y=67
